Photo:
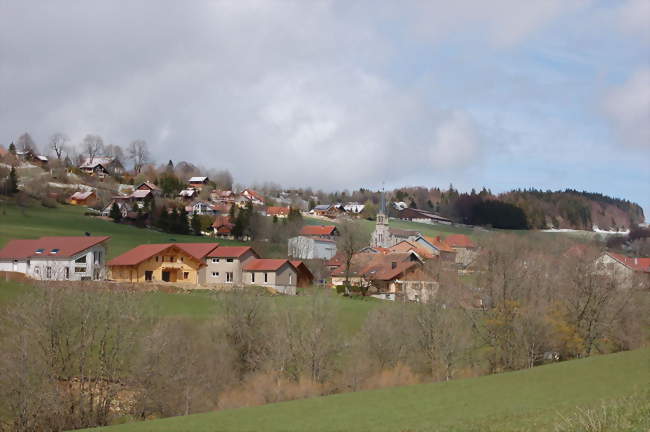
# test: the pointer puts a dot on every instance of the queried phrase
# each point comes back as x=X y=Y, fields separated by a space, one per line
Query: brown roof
x=265 y=264
x=407 y=246
x=81 y=195
x=143 y=252
x=459 y=241
x=64 y=246
x=220 y=220
x=317 y=230
x=277 y=211
x=440 y=244
x=398 y=232
x=373 y=265
x=149 y=185
x=230 y=251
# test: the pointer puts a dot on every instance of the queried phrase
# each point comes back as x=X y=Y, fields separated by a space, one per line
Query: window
x=290 y=279
x=148 y=275
x=215 y=274
x=54 y=251
x=228 y=259
x=39 y=251
x=80 y=269
x=67 y=272
x=156 y=258
x=266 y=277
x=253 y=277
x=229 y=277
x=186 y=275
x=97 y=256
x=215 y=260
x=182 y=259
x=48 y=272
x=81 y=260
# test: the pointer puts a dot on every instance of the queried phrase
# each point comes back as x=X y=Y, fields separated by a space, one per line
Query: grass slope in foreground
x=37 y=221
x=522 y=400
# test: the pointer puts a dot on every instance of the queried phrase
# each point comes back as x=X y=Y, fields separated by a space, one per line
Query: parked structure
x=57 y=258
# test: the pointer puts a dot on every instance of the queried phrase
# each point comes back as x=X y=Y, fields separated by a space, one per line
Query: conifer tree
x=115 y=213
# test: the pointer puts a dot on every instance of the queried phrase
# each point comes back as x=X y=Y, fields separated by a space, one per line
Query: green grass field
x=37 y=221
x=528 y=400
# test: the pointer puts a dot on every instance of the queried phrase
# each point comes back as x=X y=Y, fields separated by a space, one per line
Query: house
x=278 y=274
x=139 y=199
x=279 y=212
x=311 y=247
x=86 y=198
x=354 y=207
x=465 y=248
x=32 y=157
x=224 y=265
x=200 y=208
x=122 y=205
x=253 y=196
x=322 y=231
x=630 y=271
x=166 y=262
x=305 y=276
x=390 y=276
x=223 y=196
x=188 y=194
x=328 y=211
x=406 y=246
x=422 y=216
x=56 y=258
x=147 y=185
x=437 y=246
x=198 y=182
x=101 y=166
x=222 y=226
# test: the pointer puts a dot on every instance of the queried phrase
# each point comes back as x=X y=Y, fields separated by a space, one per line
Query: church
x=384 y=236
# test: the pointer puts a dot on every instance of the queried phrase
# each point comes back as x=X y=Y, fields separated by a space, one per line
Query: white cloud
x=628 y=107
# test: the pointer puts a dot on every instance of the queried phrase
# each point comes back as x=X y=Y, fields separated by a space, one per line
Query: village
x=392 y=264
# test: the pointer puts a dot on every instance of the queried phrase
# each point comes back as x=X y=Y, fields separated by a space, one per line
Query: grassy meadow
x=37 y=221
x=528 y=400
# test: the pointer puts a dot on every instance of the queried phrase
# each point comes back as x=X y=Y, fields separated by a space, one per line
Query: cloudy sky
x=334 y=94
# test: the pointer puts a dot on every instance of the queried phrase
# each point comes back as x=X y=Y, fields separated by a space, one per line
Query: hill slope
x=509 y=401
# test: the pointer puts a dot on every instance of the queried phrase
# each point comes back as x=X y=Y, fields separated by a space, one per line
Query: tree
x=115 y=213
x=93 y=145
x=196 y=225
x=12 y=148
x=138 y=152
x=12 y=187
x=351 y=239
x=26 y=143
x=58 y=143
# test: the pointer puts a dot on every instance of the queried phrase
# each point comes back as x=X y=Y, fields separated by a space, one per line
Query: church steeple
x=381 y=235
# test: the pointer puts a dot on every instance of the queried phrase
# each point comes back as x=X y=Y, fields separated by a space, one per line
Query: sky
x=345 y=94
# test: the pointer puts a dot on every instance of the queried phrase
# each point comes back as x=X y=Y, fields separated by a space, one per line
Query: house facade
x=306 y=247
x=167 y=262
x=631 y=272
x=423 y=216
x=278 y=274
x=224 y=265
x=101 y=166
x=87 y=198
x=57 y=258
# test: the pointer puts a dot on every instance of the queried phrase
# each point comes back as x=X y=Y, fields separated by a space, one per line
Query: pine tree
x=183 y=222
x=13 y=181
x=196 y=225
x=115 y=213
x=12 y=148
x=163 y=219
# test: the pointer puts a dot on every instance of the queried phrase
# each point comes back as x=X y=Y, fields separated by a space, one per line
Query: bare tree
x=58 y=143
x=26 y=143
x=93 y=145
x=115 y=151
x=138 y=153
x=351 y=239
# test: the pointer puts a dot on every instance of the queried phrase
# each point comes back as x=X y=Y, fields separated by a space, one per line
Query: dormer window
x=39 y=251
x=54 y=251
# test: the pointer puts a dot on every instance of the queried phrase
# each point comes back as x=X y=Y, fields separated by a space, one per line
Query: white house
x=354 y=207
x=306 y=247
x=57 y=258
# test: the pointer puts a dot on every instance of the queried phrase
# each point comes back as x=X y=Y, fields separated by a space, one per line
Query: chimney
x=393 y=264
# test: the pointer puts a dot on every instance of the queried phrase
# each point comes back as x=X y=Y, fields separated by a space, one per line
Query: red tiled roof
x=253 y=194
x=149 y=185
x=81 y=195
x=230 y=251
x=459 y=241
x=67 y=246
x=143 y=252
x=317 y=230
x=440 y=244
x=406 y=246
x=373 y=265
x=265 y=264
x=220 y=220
x=636 y=264
x=277 y=211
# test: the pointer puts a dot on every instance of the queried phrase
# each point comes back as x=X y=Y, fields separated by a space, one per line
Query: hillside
x=36 y=221
x=525 y=400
